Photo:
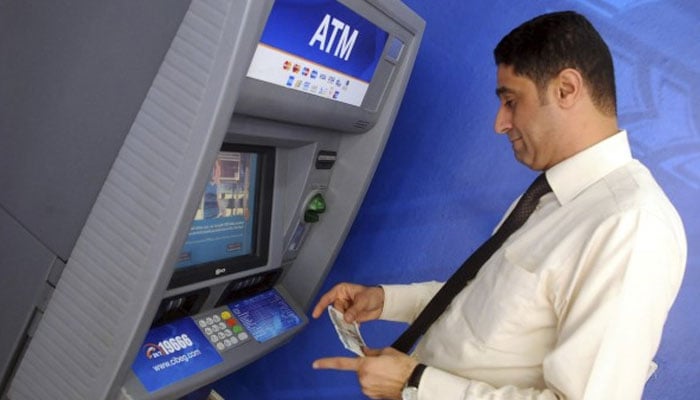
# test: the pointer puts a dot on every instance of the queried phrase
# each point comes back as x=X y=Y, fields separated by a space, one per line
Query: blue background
x=446 y=178
x=307 y=15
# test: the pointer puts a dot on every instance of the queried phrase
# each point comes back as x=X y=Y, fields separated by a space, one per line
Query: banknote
x=349 y=333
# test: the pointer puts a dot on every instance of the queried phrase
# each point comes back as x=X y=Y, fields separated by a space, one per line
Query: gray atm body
x=111 y=118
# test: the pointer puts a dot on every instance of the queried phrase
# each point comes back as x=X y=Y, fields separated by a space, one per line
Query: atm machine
x=195 y=241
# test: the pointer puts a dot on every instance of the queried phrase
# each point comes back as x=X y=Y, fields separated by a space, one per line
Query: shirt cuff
x=438 y=384
x=403 y=303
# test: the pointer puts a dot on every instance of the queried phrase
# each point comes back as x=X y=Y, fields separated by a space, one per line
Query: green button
x=316 y=206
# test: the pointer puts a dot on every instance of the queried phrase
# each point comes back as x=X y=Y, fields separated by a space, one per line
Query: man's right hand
x=357 y=303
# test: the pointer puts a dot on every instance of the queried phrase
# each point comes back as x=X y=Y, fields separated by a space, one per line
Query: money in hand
x=349 y=333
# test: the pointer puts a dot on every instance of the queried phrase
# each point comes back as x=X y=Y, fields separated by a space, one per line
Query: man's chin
x=528 y=163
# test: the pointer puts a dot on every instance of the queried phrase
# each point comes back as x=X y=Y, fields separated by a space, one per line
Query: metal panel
x=72 y=77
x=25 y=263
x=118 y=270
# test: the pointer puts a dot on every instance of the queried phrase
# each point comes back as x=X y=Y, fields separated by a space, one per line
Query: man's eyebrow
x=503 y=90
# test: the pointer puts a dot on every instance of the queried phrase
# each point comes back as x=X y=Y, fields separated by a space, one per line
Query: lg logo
x=219 y=271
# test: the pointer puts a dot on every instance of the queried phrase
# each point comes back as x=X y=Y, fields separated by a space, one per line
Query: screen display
x=320 y=47
x=230 y=231
x=224 y=224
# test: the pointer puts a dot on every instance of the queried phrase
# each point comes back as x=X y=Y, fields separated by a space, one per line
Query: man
x=572 y=305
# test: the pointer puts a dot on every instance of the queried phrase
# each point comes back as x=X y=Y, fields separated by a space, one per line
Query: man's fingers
x=323 y=303
x=318 y=310
x=366 y=305
x=371 y=352
x=339 y=363
x=338 y=296
x=353 y=311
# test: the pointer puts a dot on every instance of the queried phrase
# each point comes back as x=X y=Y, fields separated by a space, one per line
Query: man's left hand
x=382 y=373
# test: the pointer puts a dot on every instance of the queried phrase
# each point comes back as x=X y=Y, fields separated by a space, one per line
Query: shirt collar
x=571 y=176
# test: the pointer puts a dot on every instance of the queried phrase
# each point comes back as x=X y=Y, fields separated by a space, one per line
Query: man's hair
x=544 y=46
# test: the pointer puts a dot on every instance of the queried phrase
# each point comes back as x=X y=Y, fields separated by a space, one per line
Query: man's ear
x=568 y=87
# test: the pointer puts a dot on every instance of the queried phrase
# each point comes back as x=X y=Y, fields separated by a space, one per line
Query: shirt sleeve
x=438 y=384
x=403 y=303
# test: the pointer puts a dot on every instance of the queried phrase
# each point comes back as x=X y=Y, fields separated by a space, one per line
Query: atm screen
x=320 y=47
x=230 y=229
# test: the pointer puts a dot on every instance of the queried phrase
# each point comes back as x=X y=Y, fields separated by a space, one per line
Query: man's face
x=529 y=120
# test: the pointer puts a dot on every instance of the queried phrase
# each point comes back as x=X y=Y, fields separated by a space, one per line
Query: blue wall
x=446 y=178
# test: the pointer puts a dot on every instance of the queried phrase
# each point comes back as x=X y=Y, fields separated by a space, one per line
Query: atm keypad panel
x=222 y=329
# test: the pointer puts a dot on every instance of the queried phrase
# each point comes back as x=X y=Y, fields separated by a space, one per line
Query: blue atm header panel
x=322 y=63
x=322 y=48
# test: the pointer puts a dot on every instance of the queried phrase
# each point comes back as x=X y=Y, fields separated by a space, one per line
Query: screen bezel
x=261 y=225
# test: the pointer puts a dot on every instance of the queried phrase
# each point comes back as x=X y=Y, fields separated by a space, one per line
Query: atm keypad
x=222 y=329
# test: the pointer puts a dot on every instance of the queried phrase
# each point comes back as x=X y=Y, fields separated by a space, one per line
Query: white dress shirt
x=573 y=304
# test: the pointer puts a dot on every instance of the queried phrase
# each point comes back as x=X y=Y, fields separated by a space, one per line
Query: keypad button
x=223 y=329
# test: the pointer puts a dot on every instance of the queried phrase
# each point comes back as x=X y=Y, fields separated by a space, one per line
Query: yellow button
x=225 y=315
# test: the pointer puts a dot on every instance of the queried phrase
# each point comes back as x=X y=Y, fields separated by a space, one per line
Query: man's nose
x=502 y=122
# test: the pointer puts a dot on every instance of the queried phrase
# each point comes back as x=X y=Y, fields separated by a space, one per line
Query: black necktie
x=471 y=266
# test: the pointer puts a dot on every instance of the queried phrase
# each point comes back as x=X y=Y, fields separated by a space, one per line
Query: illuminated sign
x=320 y=47
x=345 y=42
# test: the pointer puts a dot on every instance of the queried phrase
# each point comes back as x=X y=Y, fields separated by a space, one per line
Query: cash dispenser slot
x=249 y=286
x=180 y=306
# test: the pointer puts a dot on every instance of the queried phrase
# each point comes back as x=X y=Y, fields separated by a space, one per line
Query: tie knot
x=537 y=189
x=525 y=207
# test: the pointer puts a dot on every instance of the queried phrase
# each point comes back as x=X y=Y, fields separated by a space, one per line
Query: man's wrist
x=416 y=375
x=410 y=390
x=381 y=299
